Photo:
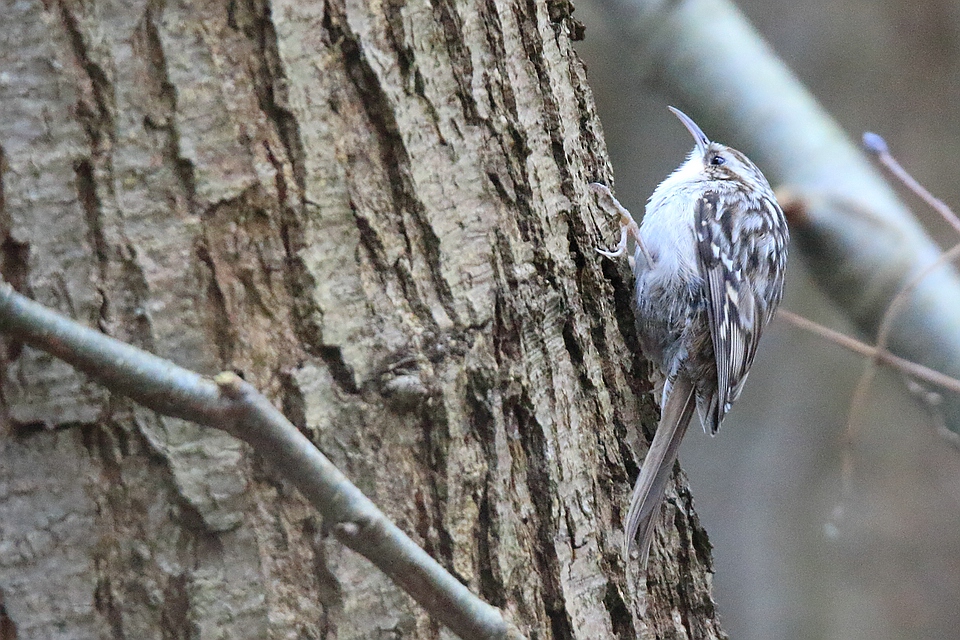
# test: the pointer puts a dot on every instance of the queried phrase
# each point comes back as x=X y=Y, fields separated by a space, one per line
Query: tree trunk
x=378 y=215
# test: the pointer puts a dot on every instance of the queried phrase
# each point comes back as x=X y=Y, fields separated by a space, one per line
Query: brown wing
x=732 y=304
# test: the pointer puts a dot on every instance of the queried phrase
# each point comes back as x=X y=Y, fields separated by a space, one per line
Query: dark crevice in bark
x=292 y=402
x=423 y=524
x=408 y=284
x=14 y=260
x=624 y=467
x=514 y=147
x=394 y=159
x=329 y=588
x=491 y=585
x=94 y=110
x=305 y=315
x=255 y=21
x=97 y=118
x=86 y=185
x=124 y=314
x=223 y=329
x=479 y=387
x=700 y=541
x=561 y=16
x=589 y=126
x=109 y=445
x=271 y=88
x=28 y=429
x=15 y=270
x=413 y=80
x=297 y=279
x=280 y=183
x=594 y=292
x=166 y=103
x=372 y=243
x=461 y=65
x=406 y=60
x=622 y=282
x=533 y=47
x=14 y=256
x=342 y=373
x=533 y=439
x=575 y=349
x=436 y=432
x=105 y=605
x=493 y=32
x=620 y=618
x=270 y=84
x=696 y=550
x=505 y=332
x=517 y=159
x=175 y=610
x=499 y=188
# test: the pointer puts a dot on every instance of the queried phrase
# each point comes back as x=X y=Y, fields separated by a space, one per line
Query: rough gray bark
x=379 y=216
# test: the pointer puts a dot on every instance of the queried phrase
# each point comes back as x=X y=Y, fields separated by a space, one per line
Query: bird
x=708 y=270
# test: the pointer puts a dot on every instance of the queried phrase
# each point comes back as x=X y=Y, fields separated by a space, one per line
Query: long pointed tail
x=657 y=467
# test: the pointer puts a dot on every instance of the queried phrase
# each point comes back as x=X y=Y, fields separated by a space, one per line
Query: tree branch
x=232 y=405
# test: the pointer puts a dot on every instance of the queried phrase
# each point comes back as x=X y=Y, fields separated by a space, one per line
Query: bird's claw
x=621 y=247
x=619 y=251
x=628 y=227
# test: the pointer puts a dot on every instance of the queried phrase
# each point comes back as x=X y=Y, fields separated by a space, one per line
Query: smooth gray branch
x=860 y=240
x=232 y=405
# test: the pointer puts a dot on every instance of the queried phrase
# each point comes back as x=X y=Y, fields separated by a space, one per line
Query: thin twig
x=876 y=145
x=859 y=400
x=232 y=405
x=913 y=369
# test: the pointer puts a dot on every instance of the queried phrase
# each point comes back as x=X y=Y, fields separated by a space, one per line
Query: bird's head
x=711 y=161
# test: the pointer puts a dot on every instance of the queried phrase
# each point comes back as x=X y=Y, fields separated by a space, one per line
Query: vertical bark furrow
x=379 y=214
x=95 y=108
x=448 y=17
x=408 y=210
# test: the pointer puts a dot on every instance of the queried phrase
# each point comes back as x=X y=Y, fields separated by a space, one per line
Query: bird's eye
x=717 y=160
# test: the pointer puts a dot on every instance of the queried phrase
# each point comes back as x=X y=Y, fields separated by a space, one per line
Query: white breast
x=667 y=230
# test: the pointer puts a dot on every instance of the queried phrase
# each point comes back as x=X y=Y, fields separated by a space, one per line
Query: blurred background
x=795 y=556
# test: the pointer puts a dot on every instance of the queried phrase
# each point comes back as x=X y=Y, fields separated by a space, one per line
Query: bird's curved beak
x=698 y=135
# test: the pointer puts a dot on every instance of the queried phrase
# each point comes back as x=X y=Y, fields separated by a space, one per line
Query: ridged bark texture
x=378 y=215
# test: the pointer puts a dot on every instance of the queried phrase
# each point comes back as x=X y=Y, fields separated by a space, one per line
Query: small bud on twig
x=874 y=143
